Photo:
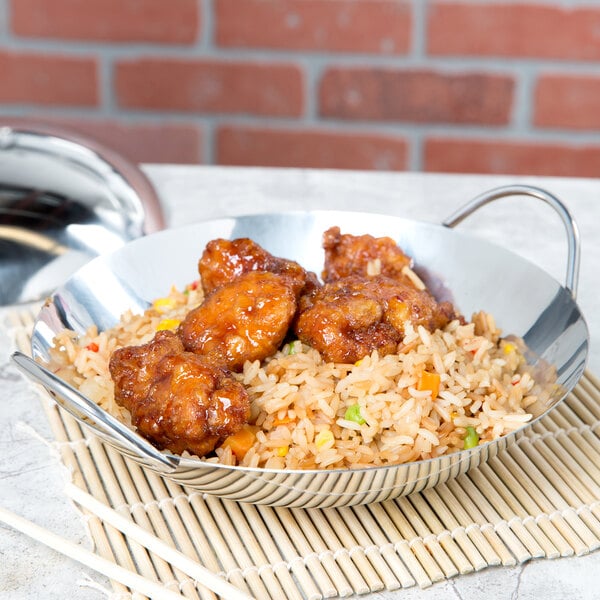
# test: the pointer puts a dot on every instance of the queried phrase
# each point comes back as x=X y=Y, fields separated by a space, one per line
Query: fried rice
x=418 y=404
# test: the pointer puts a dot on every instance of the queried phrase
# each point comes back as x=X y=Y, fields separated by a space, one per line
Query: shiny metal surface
x=525 y=301
x=64 y=199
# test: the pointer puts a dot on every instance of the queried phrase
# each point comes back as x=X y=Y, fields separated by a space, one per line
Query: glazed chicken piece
x=133 y=368
x=224 y=260
x=245 y=319
x=178 y=400
x=362 y=255
x=349 y=318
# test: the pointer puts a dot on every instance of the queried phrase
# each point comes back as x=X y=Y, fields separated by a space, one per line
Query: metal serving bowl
x=524 y=299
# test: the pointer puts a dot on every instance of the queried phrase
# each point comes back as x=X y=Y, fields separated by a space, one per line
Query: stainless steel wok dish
x=524 y=299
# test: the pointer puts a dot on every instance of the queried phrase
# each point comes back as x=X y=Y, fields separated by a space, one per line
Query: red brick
x=421 y=96
x=309 y=148
x=139 y=142
x=567 y=101
x=210 y=86
x=519 y=30
x=511 y=157
x=107 y=20
x=48 y=79
x=377 y=26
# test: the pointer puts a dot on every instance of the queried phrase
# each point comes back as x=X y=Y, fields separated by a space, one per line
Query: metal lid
x=63 y=200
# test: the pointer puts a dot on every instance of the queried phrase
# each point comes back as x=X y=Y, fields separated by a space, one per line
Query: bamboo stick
x=400 y=544
x=340 y=554
x=311 y=544
x=238 y=550
x=428 y=538
x=457 y=531
x=294 y=547
x=372 y=550
x=517 y=498
x=255 y=537
x=385 y=546
x=356 y=551
x=489 y=507
x=471 y=526
x=548 y=499
x=415 y=542
x=443 y=534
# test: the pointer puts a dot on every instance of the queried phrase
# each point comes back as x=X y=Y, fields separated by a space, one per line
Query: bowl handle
x=83 y=409
x=573 y=252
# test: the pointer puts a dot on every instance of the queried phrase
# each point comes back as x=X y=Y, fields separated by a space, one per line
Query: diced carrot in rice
x=240 y=442
x=429 y=382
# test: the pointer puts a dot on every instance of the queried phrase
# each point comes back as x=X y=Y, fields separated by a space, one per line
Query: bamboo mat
x=540 y=498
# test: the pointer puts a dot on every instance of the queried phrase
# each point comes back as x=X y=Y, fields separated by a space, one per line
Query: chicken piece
x=177 y=399
x=224 y=260
x=349 y=318
x=245 y=319
x=133 y=368
x=362 y=255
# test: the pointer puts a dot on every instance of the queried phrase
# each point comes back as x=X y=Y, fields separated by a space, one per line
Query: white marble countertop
x=31 y=478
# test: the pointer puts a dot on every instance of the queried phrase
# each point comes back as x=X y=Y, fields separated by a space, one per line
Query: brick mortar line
x=419 y=29
x=4 y=18
x=403 y=128
x=415 y=159
x=108 y=103
x=392 y=128
x=208 y=142
x=96 y=115
x=524 y=100
x=452 y=64
x=208 y=149
x=310 y=100
x=207 y=20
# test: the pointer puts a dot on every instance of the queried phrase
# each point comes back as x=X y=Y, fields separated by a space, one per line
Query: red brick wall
x=467 y=86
